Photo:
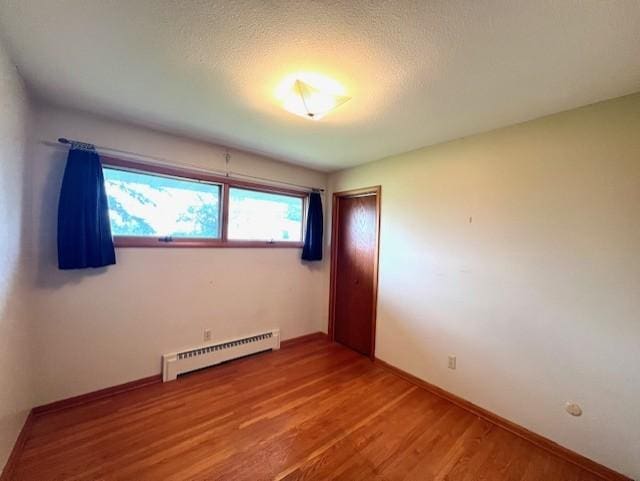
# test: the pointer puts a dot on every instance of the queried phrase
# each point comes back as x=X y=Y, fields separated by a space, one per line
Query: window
x=255 y=215
x=148 y=205
x=153 y=206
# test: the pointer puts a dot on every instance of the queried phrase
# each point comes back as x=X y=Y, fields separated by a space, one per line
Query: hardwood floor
x=311 y=411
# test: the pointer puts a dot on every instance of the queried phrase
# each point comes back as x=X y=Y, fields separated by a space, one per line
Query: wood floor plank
x=311 y=411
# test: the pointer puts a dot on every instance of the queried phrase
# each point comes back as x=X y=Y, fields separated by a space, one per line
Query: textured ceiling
x=418 y=72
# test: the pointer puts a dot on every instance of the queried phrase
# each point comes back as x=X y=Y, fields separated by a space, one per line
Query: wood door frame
x=377 y=191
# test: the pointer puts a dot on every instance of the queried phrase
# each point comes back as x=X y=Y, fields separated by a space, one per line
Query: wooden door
x=354 y=269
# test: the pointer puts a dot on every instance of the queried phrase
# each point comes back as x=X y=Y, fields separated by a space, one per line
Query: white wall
x=16 y=389
x=539 y=294
x=99 y=328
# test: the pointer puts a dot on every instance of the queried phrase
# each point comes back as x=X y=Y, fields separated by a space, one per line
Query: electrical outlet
x=207 y=335
x=452 y=362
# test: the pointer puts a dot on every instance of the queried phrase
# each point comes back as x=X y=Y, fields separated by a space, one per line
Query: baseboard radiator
x=176 y=363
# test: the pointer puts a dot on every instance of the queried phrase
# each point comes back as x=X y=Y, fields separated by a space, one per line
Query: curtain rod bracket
x=227 y=158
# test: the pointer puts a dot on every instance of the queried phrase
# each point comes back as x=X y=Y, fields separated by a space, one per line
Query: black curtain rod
x=86 y=145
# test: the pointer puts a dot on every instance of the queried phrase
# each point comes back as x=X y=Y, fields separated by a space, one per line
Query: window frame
x=225 y=183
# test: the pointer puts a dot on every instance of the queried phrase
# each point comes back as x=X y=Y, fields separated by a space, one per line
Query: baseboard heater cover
x=176 y=363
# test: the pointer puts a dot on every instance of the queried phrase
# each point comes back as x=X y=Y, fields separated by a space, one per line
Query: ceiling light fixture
x=311 y=96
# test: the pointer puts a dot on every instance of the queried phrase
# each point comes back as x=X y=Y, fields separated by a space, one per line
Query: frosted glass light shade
x=310 y=102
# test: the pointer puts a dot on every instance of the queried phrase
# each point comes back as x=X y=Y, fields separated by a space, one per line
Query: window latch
x=166 y=239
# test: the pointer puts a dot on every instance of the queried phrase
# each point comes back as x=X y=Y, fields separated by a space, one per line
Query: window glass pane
x=257 y=215
x=143 y=204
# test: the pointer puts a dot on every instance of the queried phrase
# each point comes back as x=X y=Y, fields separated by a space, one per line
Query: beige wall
x=518 y=251
x=99 y=328
x=16 y=389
